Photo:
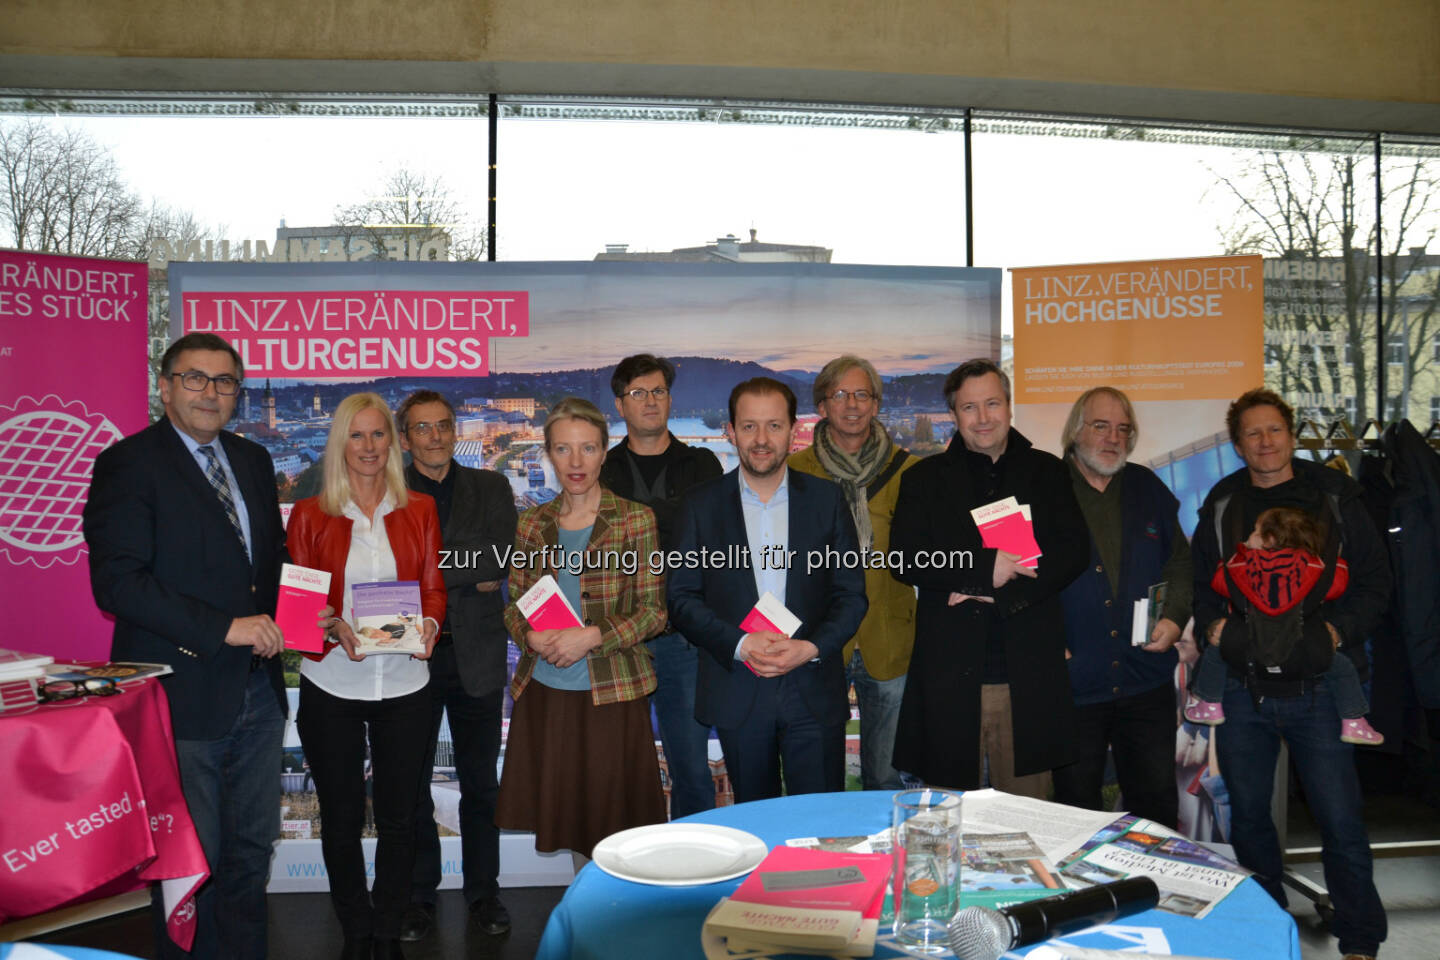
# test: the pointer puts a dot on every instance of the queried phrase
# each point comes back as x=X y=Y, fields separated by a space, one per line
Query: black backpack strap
x=878 y=484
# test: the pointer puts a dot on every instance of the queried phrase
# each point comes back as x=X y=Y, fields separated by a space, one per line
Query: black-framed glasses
x=861 y=396
x=53 y=690
x=424 y=427
x=640 y=393
x=225 y=385
x=1104 y=427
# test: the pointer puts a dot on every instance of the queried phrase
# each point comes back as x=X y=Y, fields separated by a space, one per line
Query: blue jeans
x=879 y=702
x=686 y=742
x=475 y=736
x=232 y=787
x=1341 y=678
x=1248 y=744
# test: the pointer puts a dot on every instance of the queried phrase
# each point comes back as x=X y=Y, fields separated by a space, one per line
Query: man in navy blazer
x=773 y=699
x=190 y=572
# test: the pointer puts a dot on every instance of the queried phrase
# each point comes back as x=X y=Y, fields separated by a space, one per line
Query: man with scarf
x=852 y=449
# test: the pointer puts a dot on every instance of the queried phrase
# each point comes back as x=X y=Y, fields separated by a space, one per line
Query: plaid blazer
x=628 y=608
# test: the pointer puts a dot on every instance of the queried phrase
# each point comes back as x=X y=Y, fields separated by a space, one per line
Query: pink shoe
x=1359 y=731
x=1208 y=712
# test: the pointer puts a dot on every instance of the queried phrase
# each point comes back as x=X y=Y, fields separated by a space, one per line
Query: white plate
x=679 y=854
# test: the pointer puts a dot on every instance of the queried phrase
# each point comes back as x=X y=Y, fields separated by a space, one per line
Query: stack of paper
x=18 y=673
x=1006 y=525
x=806 y=901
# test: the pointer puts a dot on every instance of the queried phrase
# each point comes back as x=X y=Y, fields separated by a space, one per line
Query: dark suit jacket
x=482 y=520
x=165 y=561
x=708 y=605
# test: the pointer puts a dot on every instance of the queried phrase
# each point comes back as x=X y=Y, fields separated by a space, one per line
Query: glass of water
x=925 y=837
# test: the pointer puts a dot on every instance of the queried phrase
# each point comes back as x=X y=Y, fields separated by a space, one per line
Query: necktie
x=216 y=476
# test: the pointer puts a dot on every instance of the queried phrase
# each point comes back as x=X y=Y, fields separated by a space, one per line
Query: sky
x=569 y=187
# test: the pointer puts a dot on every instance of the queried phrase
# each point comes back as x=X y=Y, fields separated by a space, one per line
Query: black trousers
x=781 y=731
x=475 y=736
x=333 y=731
x=1140 y=731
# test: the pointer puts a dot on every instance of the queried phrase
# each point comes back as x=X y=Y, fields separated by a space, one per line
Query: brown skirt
x=574 y=772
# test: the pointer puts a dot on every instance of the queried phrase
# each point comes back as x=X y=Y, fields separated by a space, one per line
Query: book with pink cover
x=304 y=592
x=818 y=880
x=544 y=606
x=1006 y=525
x=770 y=616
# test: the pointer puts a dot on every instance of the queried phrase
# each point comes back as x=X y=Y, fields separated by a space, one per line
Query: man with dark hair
x=467 y=667
x=988 y=687
x=185 y=541
x=1264 y=704
x=853 y=449
x=1124 y=694
x=650 y=466
x=774 y=699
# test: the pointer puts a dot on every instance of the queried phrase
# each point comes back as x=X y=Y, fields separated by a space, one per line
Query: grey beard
x=1098 y=468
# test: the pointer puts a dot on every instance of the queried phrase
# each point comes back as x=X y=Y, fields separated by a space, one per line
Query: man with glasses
x=650 y=466
x=468 y=666
x=854 y=450
x=185 y=541
x=1124 y=694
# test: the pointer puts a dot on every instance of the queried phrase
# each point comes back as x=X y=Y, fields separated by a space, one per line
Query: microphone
x=979 y=933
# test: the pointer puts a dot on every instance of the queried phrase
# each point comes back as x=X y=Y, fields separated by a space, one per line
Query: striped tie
x=216 y=476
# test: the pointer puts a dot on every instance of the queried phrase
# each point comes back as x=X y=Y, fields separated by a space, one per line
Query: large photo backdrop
x=505 y=341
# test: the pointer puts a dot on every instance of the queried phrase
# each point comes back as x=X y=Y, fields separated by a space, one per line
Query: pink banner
x=73 y=346
x=97 y=820
x=370 y=333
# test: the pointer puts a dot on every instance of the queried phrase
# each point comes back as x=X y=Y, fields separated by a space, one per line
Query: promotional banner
x=1182 y=338
x=73 y=349
x=505 y=341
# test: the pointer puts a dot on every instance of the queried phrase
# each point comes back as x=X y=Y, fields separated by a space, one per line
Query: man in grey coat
x=467 y=669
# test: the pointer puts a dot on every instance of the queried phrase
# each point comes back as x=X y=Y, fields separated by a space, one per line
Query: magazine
x=387 y=617
x=120 y=671
x=999 y=869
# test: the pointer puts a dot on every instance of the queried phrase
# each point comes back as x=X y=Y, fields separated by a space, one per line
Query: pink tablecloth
x=93 y=807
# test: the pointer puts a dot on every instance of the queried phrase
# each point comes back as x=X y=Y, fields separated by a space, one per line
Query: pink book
x=304 y=592
x=545 y=608
x=819 y=880
x=1012 y=533
x=771 y=616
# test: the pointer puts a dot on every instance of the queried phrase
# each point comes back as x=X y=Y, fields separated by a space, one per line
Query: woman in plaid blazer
x=580 y=761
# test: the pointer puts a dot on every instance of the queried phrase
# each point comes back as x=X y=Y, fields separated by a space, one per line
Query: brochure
x=544 y=606
x=770 y=615
x=121 y=672
x=387 y=617
x=1006 y=525
x=1147 y=613
x=999 y=869
x=304 y=592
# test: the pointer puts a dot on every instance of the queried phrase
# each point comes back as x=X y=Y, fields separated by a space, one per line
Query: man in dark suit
x=185 y=546
x=772 y=698
x=467 y=669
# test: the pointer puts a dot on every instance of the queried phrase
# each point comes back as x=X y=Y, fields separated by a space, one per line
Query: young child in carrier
x=1284 y=542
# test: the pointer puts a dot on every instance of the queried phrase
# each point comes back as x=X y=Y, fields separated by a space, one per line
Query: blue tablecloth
x=607 y=918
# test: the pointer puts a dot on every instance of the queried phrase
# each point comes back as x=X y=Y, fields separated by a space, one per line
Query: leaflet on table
x=771 y=616
x=304 y=592
x=1191 y=878
x=859 y=843
x=1006 y=525
x=999 y=869
x=117 y=670
x=1057 y=830
x=387 y=617
x=544 y=606
x=1147 y=613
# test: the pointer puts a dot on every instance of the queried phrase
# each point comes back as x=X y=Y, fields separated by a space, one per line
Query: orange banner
x=1157 y=329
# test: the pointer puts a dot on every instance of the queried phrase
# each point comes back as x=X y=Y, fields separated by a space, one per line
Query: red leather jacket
x=316 y=539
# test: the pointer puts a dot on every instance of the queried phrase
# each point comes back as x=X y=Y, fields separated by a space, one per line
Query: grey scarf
x=855 y=471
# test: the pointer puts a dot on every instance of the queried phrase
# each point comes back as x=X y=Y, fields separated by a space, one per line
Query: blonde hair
x=336 y=492
x=577 y=408
x=1076 y=419
x=831 y=373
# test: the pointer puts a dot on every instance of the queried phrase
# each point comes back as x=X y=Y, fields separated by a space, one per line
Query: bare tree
x=416 y=209
x=1312 y=216
x=63 y=192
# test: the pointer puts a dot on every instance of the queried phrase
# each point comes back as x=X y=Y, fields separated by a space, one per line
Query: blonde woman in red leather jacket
x=366 y=526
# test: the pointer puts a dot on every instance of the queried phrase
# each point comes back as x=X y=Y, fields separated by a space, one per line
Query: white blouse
x=377 y=677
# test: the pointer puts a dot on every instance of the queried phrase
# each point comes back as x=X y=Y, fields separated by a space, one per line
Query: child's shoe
x=1206 y=712
x=1359 y=731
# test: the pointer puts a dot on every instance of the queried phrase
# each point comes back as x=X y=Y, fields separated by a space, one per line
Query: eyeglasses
x=54 y=690
x=1103 y=427
x=225 y=385
x=640 y=393
x=424 y=427
x=861 y=396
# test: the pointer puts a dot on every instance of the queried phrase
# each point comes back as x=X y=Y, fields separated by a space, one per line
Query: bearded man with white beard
x=1123 y=694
